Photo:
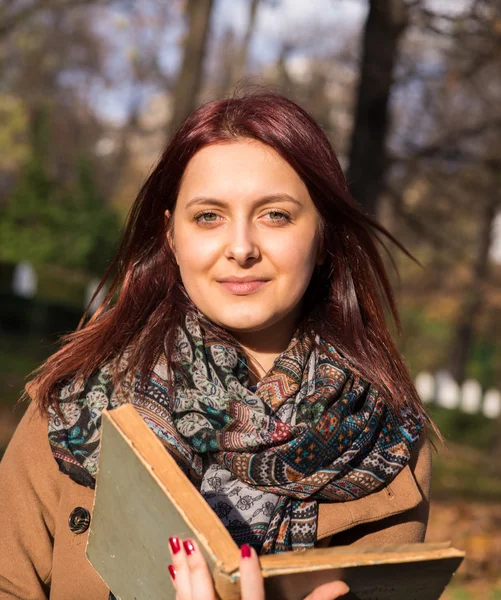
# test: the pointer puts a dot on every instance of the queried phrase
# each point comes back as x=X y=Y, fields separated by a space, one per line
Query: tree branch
x=451 y=139
x=9 y=23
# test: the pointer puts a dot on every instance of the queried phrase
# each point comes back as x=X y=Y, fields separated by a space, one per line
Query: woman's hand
x=192 y=579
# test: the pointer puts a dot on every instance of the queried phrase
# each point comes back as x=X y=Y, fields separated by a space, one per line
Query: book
x=143 y=497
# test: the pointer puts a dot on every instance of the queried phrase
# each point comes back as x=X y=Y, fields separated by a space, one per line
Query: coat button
x=79 y=520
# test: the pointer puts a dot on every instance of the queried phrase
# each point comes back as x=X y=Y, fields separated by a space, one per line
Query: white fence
x=443 y=390
x=25 y=285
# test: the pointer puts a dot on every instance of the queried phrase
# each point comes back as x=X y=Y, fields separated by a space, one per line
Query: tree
x=475 y=296
x=11 y=19
x=385 y=24
x=189 y=80
x=240 y=63
x=44 y=222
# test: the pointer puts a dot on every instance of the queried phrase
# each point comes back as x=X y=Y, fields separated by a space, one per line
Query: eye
x=284 y=217
x=199 y=218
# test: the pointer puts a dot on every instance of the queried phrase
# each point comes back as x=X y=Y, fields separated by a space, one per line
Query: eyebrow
x=264 y=200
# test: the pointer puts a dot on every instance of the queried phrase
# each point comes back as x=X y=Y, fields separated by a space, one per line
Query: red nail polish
x=245 y=550
x=174 y=544
x=172 y=571
x=189 y=547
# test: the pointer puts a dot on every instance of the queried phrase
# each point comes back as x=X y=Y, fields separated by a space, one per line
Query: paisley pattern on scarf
x=313 y=431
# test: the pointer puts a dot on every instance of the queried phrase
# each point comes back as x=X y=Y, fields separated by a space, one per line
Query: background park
x=409 y=93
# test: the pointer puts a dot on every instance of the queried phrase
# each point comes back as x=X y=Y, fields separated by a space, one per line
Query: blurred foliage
x=56 y=284
x=485 y=361
x=62 y=285
x=25 y=316
x=426 y=336
x=46 y=223
x=476 y=431
x=461 y=592
x=454 y=478
x=19 y=356
x=13 y=129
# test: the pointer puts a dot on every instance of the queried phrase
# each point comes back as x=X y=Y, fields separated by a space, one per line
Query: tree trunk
x=284 y=82
x=472 y=305
x=239 y=66
x=225 y=60
x=190 y=75
x=385 y=24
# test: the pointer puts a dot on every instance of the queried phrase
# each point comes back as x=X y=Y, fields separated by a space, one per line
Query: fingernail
x=172 y=571
x=174 y=544
x=188 y=547
x=245 y=551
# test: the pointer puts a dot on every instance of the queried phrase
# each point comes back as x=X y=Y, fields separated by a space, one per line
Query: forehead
x=247 y=166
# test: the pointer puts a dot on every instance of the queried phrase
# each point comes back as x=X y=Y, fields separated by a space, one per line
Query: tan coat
x=40 y=557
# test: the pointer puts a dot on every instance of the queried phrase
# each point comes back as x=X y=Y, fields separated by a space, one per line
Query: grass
x=465 y=475
x=475 y=431
x=473 y=591
x=462 y=468
x=18 y=357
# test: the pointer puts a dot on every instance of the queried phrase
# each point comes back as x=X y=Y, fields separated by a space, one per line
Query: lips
x=242 y=288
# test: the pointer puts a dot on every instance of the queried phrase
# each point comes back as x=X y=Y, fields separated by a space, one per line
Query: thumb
x=329 y=591
x=251 y=578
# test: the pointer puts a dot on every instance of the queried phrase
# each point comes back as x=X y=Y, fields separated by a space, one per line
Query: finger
x=179 y=562
x=172 y=572
x=201 y=581
x=329 y=591
x=251 y=578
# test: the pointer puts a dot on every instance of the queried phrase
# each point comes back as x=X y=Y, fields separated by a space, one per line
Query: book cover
x=142 y=498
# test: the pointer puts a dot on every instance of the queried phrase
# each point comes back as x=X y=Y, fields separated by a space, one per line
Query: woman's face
x=242 y=211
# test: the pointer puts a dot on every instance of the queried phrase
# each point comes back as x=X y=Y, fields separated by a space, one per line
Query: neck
x=262 y=347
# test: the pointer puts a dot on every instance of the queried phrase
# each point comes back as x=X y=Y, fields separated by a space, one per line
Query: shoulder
x=31 y=491
x=420 y=464
x=31 y=431
x=40 y=542
x=28 y=455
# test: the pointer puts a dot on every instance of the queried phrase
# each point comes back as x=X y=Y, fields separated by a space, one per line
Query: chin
x=242 y=321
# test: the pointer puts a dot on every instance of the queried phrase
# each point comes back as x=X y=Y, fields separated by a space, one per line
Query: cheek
x=196 y=253
x=297 y=256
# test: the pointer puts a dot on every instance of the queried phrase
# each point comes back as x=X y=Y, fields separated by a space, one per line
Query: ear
x=170 y=241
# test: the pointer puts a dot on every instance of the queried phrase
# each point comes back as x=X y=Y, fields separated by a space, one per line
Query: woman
x=246 y=324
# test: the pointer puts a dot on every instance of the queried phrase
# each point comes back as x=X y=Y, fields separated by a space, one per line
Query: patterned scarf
x=313 y=431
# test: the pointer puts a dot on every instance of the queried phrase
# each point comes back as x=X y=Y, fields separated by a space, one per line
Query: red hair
x=345 y=301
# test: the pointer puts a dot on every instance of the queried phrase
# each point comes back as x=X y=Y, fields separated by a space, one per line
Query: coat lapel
x=401 y=495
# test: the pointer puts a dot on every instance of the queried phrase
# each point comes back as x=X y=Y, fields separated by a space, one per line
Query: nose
x=241 y=244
